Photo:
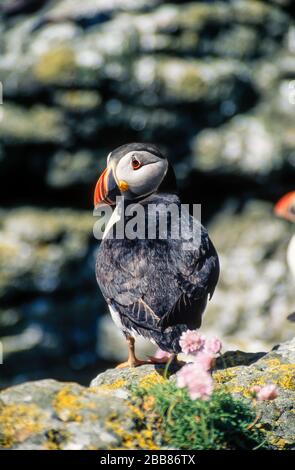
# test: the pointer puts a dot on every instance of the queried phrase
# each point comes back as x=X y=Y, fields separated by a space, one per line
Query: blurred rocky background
x=211 y=83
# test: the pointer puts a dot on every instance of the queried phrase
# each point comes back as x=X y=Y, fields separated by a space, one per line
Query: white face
x=142 y=171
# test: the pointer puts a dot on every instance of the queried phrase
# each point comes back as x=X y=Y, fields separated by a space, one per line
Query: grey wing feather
x=158 y=288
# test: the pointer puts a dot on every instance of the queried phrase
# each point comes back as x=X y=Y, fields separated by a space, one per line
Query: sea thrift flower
x=199 y=382
x=254 y=390
x=213 y=345
x=268 y=392
x=205 y=360
x=191 y=342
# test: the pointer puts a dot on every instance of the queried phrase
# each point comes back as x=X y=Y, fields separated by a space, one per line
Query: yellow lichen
x=67 y=405
x=18 y=422
x=119 y=383
x=141 y=437
x=135 y=439
x=279 y=442
x=271 y=362
x=224 y=375
x=136 y=412
x=282 y=375
x=151 y=379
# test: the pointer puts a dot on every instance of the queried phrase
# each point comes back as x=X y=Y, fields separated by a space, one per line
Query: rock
x=122 y=378
x=39 y=125
x=184 y=81
x=276 y=367
x=47 y=246
x=91 y=10
x=49 y=415
x=178 y=72
x=53 y=415
x=47 y=278
x=255 y=293
x=207 y=81
x=256 y=145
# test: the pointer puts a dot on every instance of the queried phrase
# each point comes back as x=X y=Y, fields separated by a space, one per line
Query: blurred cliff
x=211 y=83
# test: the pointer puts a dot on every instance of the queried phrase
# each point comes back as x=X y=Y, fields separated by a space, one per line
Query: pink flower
x=191 y=341
x=268 y=392
x=254 y=390
x=199 y=382
x=213 y=345
x=204 y=360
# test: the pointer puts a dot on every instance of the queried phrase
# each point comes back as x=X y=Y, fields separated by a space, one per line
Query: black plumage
x=157 y=288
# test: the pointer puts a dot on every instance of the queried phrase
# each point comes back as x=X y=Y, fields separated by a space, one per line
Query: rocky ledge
x=48 y=414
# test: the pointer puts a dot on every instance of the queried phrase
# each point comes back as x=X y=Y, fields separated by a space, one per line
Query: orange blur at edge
x=284 y=204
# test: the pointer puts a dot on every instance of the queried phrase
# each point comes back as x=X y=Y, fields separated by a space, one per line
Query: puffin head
x=285 y=207
x=134 y=171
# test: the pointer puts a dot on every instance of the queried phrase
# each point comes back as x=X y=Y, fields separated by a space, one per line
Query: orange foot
x=131 y=364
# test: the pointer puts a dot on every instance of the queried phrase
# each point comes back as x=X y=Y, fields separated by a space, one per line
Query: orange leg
x=132 y=360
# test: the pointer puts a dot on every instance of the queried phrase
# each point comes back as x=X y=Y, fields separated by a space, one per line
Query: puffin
x=285 y=208
x=155 y=286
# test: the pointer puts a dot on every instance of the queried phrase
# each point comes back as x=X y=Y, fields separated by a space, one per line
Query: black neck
x=168 y=184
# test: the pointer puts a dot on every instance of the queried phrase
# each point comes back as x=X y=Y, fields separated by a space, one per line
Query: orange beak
x=100 y=191
x=106 y=189
x=285 y=207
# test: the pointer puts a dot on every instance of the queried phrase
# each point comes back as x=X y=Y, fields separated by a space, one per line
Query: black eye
x=135 y=163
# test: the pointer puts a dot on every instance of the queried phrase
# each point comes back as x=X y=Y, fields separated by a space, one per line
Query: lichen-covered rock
x=47 y=260
x=43 y=249
x=207 y=81
x=49 y=415
x=276 y=367
x=38 y=125
x=180 y=71
x=255 y=293
x=123 y=378
x=254 y=145
x=54 y=415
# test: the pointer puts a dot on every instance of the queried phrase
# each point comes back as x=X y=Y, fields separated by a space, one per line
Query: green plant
x=221 y=422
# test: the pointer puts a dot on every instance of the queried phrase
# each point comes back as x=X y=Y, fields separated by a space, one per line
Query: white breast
x=116 y=216
x=291 y=255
